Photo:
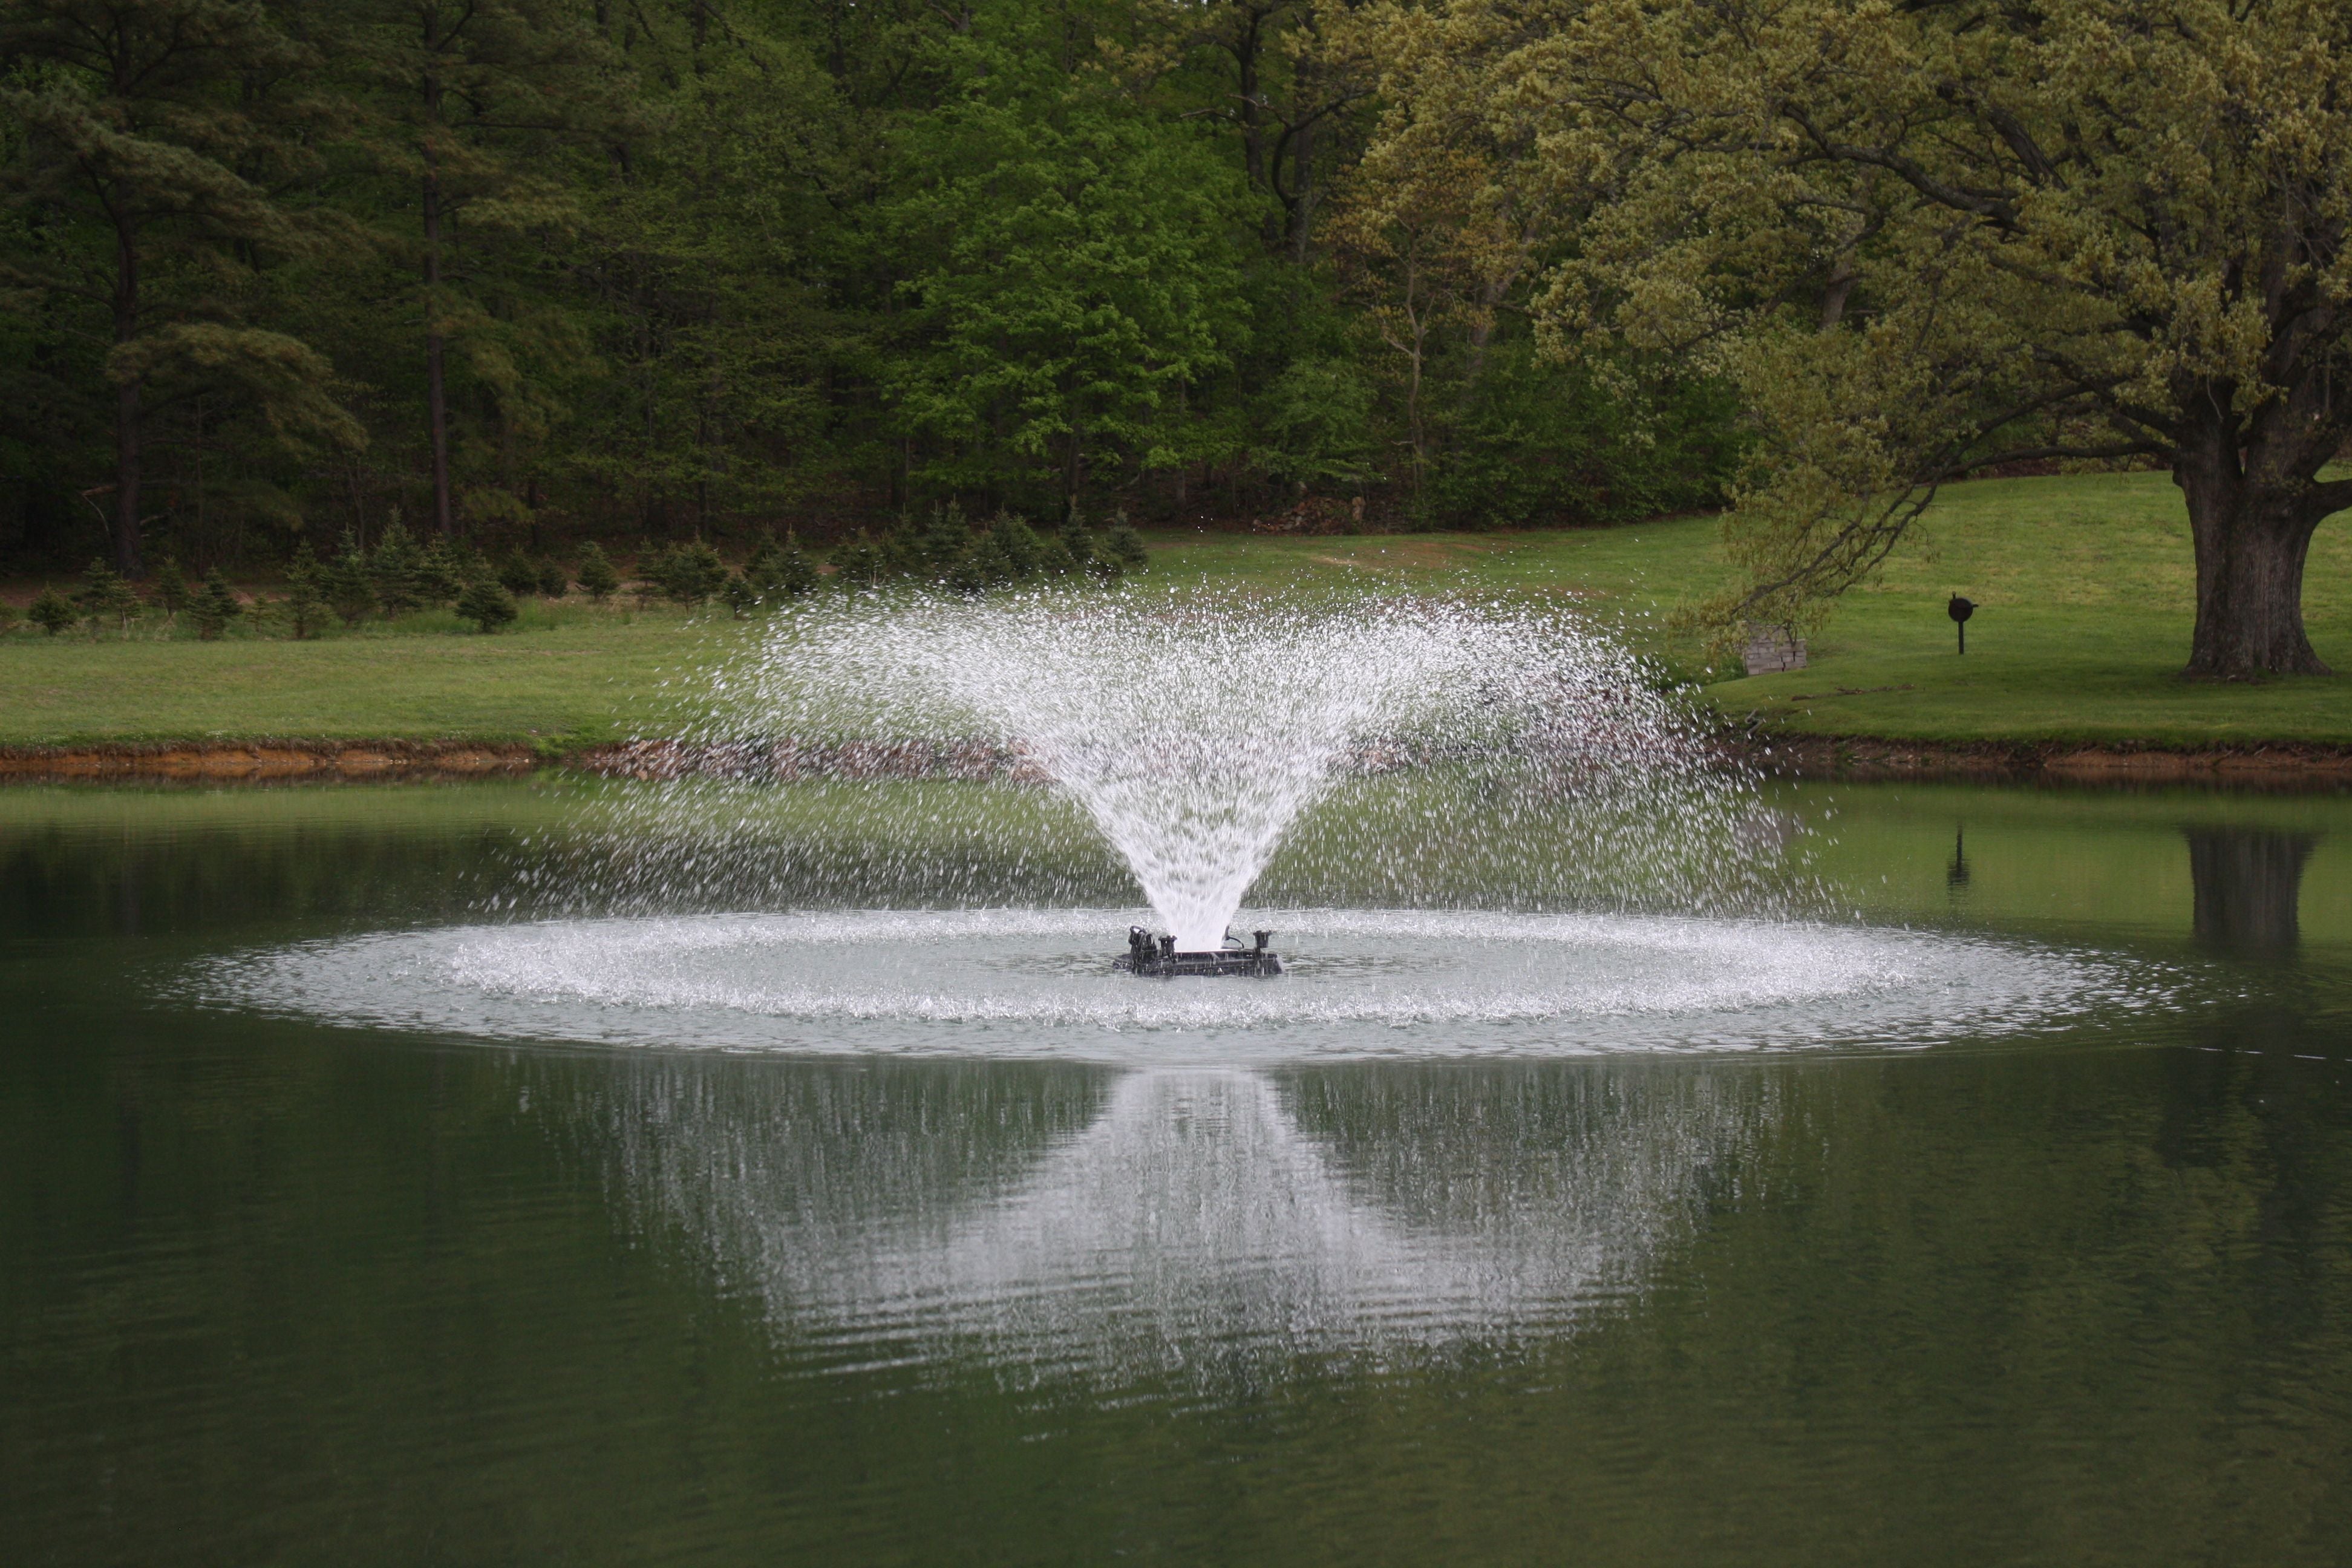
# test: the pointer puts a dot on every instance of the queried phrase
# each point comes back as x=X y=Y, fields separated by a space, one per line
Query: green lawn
x=2084 y=582
x=2086 y=589
x=563 y=677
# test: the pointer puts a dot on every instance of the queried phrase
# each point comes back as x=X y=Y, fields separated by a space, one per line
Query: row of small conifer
x=401 y=574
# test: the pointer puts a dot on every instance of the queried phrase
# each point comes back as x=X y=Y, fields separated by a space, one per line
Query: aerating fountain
x=1491 y=826
x=1156 y=958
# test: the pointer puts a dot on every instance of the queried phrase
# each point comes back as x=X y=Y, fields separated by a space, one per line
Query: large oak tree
x=1931 y=236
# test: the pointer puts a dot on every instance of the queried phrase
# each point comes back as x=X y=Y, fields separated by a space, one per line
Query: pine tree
x=932 y=552
x=689 y=573
x=741 y=598
x=987 y=564
x=518 y=575
x=476 y=105
x=1125 y=545
x=859 y=564
x=486 y=602
x=777 y=572
x=796 y=573
x=442 y=574
x=760 y=564
x=1078 y=544
x=553 y=582
x=51 y=611
x=346 y=584
x=215 y=606
x=149 y=133
x=1023 y=551
x=396 y=569
x=597 y=578
x=305 y=607
x=170 y=588
x=106 y=595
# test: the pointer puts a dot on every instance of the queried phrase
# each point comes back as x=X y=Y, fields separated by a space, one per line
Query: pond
x=2022 y=1231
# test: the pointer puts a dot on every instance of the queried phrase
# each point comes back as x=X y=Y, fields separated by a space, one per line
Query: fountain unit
x=1155 y=957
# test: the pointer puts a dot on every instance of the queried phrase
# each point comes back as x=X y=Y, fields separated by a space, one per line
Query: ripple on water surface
x=1038 y=983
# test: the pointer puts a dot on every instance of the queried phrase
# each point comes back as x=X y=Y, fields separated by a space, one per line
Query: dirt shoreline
x=2253 y=764
x=268 y=761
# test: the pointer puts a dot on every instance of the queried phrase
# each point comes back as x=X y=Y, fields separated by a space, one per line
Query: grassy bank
x=2085 y=584
x=563 y=676
x=2086 y=587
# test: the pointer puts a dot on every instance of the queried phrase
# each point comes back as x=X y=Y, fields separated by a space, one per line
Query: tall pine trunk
x=437 y=392
x=127 y=464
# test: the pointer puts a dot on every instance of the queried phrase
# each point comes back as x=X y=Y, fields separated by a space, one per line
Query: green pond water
x=2017 y=1228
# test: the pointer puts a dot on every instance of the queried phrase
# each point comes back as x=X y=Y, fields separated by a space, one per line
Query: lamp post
x=1961 y=609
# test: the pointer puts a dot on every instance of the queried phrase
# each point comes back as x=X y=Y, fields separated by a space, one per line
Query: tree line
x=526 y=272
x=686 y=268
x=403 y=575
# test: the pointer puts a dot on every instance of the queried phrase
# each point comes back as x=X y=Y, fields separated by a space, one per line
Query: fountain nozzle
x=1157 y=958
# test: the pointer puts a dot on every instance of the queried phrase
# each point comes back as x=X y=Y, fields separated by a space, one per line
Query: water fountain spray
x=1195 y=731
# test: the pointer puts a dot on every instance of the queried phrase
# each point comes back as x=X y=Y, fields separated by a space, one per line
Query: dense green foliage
x=526 y=272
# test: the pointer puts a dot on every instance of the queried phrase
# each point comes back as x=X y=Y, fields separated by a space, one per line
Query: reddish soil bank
x=225 y=761
x=2273 y=765
x=2283 y=766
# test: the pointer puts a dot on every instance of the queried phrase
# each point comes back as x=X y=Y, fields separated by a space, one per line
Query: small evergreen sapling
x=598 y=580
x=777 y=572
x=519 y=574
x=696 y=572
x=553 y=581
x=345 y=582
x=441 y=574
x=305 y=607
x=934 y=555
x=170 y=589
x=215 y=606
x=1091 y=551
x=106 y=596
x=486 y=602
x=1124 y=544
x=1018 y=545
x=689 y=573
x=649 y=572
x=396 y=569
x=741 y=598
x=51 y=611
x=858 y=563
x=796 y=571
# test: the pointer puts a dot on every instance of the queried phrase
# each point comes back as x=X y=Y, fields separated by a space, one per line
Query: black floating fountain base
x=1157 y=958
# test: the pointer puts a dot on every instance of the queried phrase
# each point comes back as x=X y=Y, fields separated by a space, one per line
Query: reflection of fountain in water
x=1197 y=1221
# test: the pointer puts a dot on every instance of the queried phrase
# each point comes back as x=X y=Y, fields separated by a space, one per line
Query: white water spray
x=1195 y=733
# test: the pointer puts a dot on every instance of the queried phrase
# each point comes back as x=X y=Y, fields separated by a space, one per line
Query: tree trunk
x=437 y=391
x=2251 y=541
x=126 y=413
x=2247 y=884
